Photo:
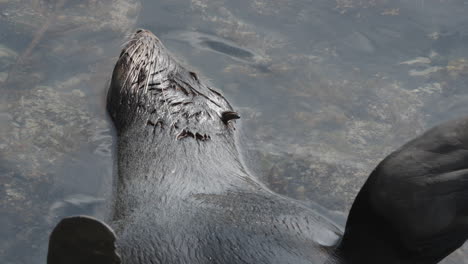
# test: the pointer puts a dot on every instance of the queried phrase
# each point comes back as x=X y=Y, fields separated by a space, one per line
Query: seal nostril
x=229 y=115
x=139 y=31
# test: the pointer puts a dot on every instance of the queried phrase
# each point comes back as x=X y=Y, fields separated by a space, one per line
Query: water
x=325 y=89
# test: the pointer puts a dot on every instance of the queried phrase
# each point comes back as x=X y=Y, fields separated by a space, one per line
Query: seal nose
x=141 y=32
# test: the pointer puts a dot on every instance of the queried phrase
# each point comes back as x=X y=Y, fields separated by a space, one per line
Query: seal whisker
x=157 y=72
x=125 y=43
x=163 y=94
x=148 y=79
x=135 y=47
x=131 y=72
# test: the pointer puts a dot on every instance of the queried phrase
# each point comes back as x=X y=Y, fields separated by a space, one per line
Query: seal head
x=149 y=86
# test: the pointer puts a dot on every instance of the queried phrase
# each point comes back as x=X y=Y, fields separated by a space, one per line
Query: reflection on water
x=211 y=43
x=325 y=90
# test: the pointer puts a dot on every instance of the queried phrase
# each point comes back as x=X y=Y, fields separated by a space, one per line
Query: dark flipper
x=416 y=200
x=82 y=239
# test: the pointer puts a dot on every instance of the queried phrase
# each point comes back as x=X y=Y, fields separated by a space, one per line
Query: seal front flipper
x=82 y=239
x=414 y=206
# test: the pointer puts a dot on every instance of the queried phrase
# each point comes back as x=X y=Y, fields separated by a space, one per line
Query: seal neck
x=164 y=165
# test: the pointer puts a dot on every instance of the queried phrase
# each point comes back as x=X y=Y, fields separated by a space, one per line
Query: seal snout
x=150 y=83
x=141 y=32
x=140 y=41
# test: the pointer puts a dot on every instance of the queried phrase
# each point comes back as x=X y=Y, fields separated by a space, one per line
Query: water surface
x=325 y=88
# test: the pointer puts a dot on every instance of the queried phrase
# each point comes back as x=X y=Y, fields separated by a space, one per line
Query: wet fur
x=183 y=194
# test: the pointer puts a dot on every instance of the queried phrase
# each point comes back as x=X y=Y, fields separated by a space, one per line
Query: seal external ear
x=229 y=115
x=82 y=239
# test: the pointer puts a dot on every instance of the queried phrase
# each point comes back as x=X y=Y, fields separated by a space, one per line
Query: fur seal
x=183 y=194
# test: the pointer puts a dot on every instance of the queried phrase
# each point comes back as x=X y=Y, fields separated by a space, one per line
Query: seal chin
x=150 y=86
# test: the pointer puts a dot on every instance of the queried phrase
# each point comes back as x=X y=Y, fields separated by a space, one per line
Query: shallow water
x=325 y=89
